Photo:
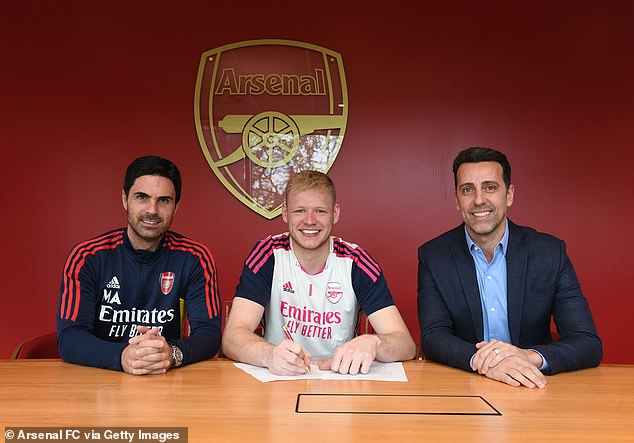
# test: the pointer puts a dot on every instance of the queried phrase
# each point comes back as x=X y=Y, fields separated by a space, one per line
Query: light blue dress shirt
x=492 y=285
x=493 y=289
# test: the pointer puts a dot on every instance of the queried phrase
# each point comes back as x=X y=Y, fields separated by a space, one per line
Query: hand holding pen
x=298 y=350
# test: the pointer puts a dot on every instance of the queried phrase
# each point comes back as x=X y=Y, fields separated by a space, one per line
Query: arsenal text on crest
x=273 y=84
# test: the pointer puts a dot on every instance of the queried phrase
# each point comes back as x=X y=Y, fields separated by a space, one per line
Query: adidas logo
x=287 y=287
x=114 y=283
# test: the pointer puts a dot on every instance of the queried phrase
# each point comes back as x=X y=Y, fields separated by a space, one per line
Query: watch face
x=177 y=355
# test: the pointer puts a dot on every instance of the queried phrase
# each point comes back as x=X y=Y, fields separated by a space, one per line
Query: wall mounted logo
x=266 y=110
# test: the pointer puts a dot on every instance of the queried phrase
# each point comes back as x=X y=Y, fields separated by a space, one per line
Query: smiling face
x=482 y=199
x=310 y=215
x=150 y=204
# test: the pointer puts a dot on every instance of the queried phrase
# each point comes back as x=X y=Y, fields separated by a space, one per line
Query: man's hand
x=289 y=358
x=491 y=353
x=147 y=353
x=516 y=371
x=354 y=356
x=508 y=363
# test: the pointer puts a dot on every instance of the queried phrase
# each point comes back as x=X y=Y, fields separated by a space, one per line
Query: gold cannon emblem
x=268 y=109
x=271 y=139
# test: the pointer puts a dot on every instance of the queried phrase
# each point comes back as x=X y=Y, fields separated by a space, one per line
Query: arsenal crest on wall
x=266 y=110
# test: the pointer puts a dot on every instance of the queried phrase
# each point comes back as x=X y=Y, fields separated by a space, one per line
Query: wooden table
x=218 y=402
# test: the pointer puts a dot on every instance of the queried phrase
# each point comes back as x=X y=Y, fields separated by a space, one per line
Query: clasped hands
x=509 y=364
x=353 y=357
x=148 y=353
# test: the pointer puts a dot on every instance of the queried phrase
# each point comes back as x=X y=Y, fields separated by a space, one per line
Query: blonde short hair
x=311 y=180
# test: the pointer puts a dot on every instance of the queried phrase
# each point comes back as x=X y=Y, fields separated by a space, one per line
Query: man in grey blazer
x=487 y=290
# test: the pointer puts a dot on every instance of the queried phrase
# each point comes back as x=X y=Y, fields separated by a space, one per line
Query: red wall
x=87 y=87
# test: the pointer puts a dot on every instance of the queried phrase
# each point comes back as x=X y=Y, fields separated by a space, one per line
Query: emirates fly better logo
x=266 y=110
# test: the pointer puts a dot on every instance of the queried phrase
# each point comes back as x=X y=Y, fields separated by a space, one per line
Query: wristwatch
x=177 y=356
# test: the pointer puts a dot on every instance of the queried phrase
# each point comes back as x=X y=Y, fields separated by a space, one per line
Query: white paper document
x=378 y=372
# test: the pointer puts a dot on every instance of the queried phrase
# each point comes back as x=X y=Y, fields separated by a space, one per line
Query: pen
x=290 y=337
